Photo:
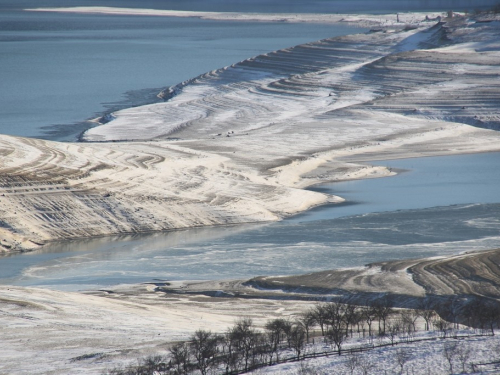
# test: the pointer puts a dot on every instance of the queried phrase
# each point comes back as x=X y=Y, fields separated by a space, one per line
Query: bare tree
x=351 y=317
x=336 y=315
x=382 y=309
x=307 y=320
x=467 y=313
x=262 y=349
x=276 y=331
x=409 y=320
x=297 y=338
x=393 y=330
x=321 y=316
x=153 y=364
x=352 y=363
x=203 y=345
x=443 y=326
x=403 y=355
x=477 y=313
x=287 y=330
x=368 y=314
x=490 y=314
x=244 y=337
x=463 y=354
x=180 y=358
x=231 y=355
x=336 y=334
x=449 y=353
x=426 y=311
x=450 y=310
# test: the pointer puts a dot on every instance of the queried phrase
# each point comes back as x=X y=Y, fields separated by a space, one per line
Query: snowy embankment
x=407 y=281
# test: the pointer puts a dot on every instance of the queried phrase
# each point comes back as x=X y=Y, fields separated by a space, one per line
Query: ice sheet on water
x=244 y=261
x=284 y=248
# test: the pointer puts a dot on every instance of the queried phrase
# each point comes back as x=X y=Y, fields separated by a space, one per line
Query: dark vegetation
x=243 y=347
x=495 y=9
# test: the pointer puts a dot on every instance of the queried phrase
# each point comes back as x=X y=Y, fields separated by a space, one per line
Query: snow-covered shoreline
x=355 y=19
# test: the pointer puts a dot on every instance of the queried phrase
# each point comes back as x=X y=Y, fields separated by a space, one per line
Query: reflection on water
x=118 y=249
x=394 y=218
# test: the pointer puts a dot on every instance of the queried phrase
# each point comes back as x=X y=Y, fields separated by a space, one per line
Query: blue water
x=420 y=183
x=58 y=70
x=439 y=206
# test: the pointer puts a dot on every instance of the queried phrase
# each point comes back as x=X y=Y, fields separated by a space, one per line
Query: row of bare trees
x=471 y=311
x=243 y=347
x=239 y=349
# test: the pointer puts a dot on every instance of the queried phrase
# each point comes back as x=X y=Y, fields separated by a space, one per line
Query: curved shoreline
x=406 y=281
x=245 y=150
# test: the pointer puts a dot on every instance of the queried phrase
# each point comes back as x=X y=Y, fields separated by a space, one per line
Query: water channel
x=434 y=206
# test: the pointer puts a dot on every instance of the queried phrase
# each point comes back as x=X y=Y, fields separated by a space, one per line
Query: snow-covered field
x=59 y=333
x=423 y=358
x=44 y=331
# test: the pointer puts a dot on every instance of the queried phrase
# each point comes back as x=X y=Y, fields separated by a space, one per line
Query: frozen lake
x=438 y=206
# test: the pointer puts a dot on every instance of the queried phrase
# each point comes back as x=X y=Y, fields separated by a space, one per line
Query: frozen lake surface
x=438 y=206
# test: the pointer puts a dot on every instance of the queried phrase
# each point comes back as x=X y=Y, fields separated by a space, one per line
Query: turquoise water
x=439 y=206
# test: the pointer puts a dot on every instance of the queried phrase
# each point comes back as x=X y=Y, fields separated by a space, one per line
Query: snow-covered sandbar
x=364 y=20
